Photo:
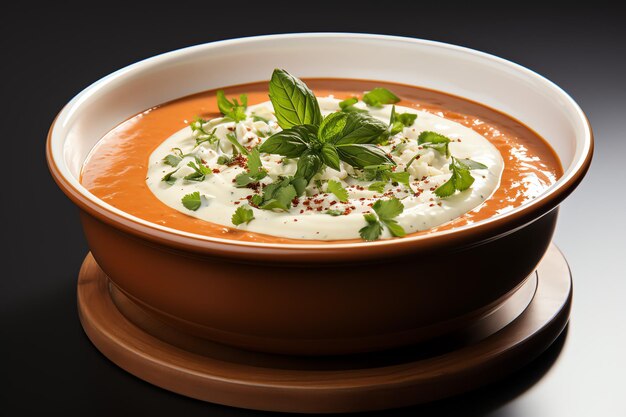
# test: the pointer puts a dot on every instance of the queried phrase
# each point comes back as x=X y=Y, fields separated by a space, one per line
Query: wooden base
x=501 y=343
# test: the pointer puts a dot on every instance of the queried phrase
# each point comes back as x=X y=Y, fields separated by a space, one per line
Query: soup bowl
x=312 y=299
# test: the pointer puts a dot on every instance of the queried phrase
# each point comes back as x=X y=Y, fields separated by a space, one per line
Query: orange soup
x=117 y=167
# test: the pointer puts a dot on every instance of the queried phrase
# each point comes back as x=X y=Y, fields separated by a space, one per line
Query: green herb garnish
x=435 y=141
x=386 y=211
x=379 y=96
x=378 y=186
x=232 y=138
x=174 y=158
x=225 y=160
x=339 y=192
x=200 y=171
x=255 y=170
x=207 y=137
x=192 y=201
x=347 y=137
x=334 y=212
x=233 y=110
x=168 y=177
x=461 y=178
x=243 y=214
x=397 y=122
x=294 y=103
x=348 y=105
x=278 y=195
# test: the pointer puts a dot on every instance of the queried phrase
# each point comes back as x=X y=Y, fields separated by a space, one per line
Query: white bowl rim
x=56 y=159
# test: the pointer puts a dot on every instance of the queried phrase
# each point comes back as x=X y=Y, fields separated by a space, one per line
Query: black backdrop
x=49 y=54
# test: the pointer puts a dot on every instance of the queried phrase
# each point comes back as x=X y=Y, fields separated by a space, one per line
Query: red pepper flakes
x=431 y=205
x=237 y=202
x=432 y=188
x=231 y=128
x=295 y=220
x=332 y=203
x=216 y=171
x=301 y=211
x=370 y=204
x=319 y=208
x=295 y=201
x=347 y=211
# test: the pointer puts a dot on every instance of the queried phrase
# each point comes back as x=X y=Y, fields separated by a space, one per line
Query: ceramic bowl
x=320 y=299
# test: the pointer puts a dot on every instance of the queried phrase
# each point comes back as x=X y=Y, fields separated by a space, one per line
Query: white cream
x=423 y=211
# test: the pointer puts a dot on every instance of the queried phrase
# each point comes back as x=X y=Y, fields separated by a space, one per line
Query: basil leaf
x=336 y=188
x=291 y=142
x=345 y=128
x=192 y=201
x=294 y=104
x=362 y=155
x=309 y=164
x=373 y=230
x=379 y=96
x=330 y=156
x=243 y=214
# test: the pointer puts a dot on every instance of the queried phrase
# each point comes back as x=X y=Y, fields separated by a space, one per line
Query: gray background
x=48 y=55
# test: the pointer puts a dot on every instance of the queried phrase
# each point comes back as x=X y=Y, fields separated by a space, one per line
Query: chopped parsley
x=386 y=211
x=339 y=192
x=242 y=215
x=192 y=201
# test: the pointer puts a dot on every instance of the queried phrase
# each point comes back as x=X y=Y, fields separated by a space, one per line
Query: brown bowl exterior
x=313 y=308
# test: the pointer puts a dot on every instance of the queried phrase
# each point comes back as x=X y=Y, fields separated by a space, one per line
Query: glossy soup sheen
x=116 y=169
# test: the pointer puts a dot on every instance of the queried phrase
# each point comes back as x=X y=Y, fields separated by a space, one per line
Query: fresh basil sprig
x=386 y=211
x=340 y=136
x=294 y=103
x=461 y=178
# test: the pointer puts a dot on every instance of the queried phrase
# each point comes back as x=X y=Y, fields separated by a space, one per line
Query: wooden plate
x=154 y=352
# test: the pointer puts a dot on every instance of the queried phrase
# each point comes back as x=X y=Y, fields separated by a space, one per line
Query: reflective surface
x=52 y=54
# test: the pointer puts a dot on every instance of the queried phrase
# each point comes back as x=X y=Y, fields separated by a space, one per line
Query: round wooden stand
x=503 y=342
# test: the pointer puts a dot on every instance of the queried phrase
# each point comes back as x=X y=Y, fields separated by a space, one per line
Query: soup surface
x=120 y=171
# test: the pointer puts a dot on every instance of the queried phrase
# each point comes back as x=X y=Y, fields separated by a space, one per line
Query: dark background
x=49 y=54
